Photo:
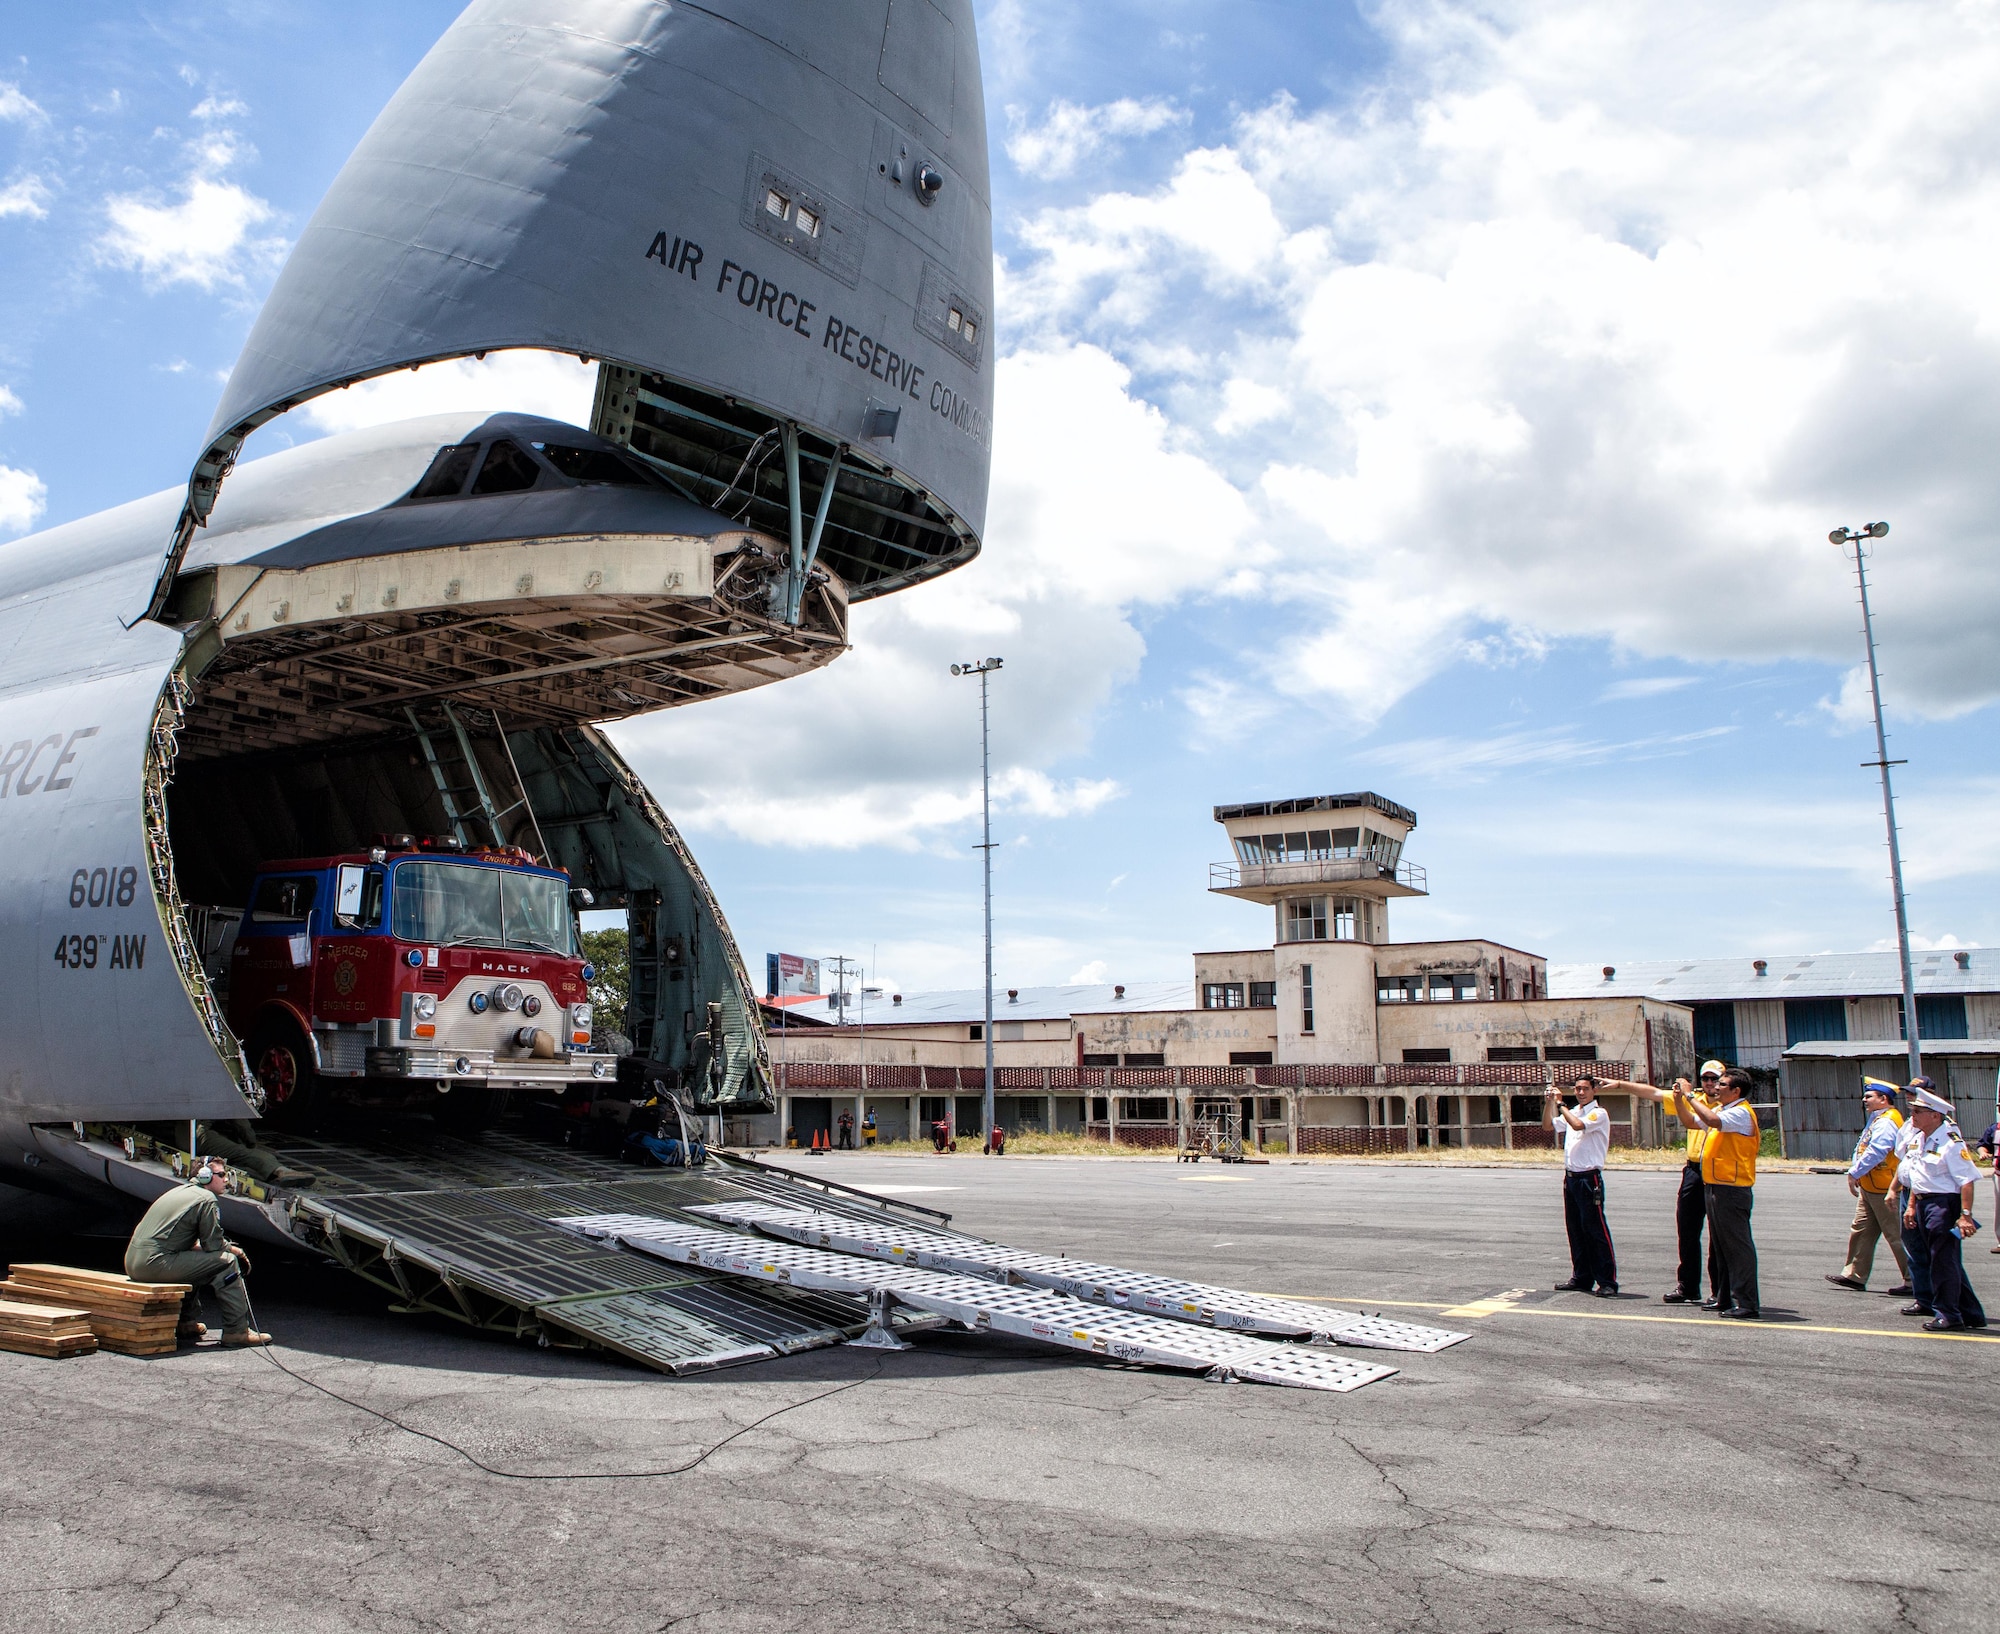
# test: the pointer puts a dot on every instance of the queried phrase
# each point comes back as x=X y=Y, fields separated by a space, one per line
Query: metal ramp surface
x=1138 y=1291
x=984 y=1306
x=463 y=1228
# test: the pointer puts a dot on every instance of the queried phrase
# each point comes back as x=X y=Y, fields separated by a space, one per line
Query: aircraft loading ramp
x=685 y=1270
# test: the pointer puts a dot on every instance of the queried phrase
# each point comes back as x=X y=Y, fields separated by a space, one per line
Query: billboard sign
x=787 y=974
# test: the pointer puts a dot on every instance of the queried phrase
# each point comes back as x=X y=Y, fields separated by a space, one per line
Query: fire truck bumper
x=499 y=1072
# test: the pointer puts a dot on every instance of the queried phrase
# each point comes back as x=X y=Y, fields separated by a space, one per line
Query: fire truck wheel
x=284 y=1070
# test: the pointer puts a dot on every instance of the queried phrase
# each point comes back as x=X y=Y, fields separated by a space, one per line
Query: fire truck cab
x=417 y=974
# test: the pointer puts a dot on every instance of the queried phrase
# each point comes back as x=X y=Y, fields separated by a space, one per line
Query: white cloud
x=206 y=235
x=1469 y=758
x=24 y=196
x=882 y=746
x=1069 y=134
x=1092 y=974
x=16 y=106
x=10 y=402
x=1645 y=686
x=23 y=498
x=212 y=108
x=554 y=384
x=1585 y=326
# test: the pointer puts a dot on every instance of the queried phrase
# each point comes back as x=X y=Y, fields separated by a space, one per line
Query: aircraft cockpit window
x=288 y=898
x=509 y=468
x=448 y=472
x=594 y=465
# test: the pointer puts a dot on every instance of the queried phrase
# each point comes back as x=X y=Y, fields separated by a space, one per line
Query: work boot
x=249 y=1336
x=191 y=1333
x=297 y=1179
x=1846 y=1281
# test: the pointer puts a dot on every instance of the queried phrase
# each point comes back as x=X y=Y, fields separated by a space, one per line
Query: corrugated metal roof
x=965 y=1004
x=1795 y=976
x=1318 y=802
x=1861 y=1049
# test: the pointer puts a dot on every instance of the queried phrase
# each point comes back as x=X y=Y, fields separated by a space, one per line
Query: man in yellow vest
x=1871 y=1178
x=1728 y=1176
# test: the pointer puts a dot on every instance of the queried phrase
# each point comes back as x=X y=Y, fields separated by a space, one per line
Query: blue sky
x=1468 y=392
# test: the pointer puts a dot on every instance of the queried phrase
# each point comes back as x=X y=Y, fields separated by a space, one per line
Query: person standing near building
x=1915 y=1247
x=1586 y=1141
x=1729 y=1178
x=1943 y=1179
x=846 y=1127
x=1691 y=1202
x=1871 y=1176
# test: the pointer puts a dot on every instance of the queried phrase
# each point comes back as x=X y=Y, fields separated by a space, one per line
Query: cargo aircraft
x=303 y=774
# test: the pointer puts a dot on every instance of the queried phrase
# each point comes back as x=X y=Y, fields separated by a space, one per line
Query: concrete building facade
x=1332 y=1037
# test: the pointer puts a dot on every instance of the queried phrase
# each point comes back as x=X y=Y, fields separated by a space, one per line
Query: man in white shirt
x=1586 y=1141
x=1942 y=1176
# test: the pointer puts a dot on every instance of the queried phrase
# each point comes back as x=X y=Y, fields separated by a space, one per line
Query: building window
x=1344 y=916
x=1420 y=1056
x=1149 y=1110
x=1222 y=995
x=976 y=1031
x=1100 y=1108
x=1513 y=1052
x=1263 y=995
x=1270 y=1109
x=1305 y=919
x=1249 y=1058
x=1145 y=1058
x=1100 y=1061
x=1572 y=1052
x=1305 y=998
x=1939 y=1015
x=1715 y=1032
x=1813 y=1020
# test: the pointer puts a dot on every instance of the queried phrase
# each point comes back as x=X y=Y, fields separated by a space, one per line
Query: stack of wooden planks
x=44 y=1330
x=132 y=1318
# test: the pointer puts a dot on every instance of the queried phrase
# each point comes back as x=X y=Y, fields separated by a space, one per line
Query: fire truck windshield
x=456 y=905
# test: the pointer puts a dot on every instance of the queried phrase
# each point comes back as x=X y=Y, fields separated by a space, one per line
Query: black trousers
x=1591 y=1260
x=1952 y=1298
x=1917 y=1246
x=1735 y=1249
x=1690 y=1215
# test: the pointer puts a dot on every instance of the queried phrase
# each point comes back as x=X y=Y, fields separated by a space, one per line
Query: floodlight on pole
x=1843 y=537
x=982 y=669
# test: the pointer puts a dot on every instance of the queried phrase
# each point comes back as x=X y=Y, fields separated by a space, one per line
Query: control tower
x=1328 y=866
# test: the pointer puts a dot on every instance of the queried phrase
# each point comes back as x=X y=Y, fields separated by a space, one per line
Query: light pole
x=982 y=669
x=1844 y=537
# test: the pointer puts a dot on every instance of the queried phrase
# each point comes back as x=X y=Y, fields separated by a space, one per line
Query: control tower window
x=509 y=468
x=446 y=477
x=593 y=465
x=1222 y=995
x=1305 y=919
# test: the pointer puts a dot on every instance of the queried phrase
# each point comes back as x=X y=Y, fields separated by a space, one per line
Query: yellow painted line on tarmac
x=1494 y=1306
x=1491 y=1305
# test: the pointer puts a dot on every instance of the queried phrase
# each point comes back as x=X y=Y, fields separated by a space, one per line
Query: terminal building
x=1325 y=1035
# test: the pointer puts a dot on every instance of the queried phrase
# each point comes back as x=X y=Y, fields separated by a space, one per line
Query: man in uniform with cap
x=1871 y=1176
x=180 y=1240
x=1908 y=1138
x=1942 y=1179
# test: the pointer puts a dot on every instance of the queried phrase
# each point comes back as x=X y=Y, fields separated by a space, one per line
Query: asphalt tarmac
x=1580 y=1463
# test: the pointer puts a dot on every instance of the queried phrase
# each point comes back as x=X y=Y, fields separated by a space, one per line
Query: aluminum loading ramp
x=1137 y=1291
x=985 y=1306
x=462 y=1228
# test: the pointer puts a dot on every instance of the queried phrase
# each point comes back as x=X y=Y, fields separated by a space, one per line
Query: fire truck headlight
x=531 y=1006
x=478 y=1003
x=579 y=1024
x=424 y=1006
x=508 y=996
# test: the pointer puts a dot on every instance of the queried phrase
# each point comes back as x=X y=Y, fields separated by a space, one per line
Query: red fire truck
x=416 y=974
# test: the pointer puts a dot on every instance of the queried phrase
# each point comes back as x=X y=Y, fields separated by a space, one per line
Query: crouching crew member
x=1728 y=1177
x=1586 y=1141
x=1942 y=1178
x=1870 y=1178
x=180 y=1240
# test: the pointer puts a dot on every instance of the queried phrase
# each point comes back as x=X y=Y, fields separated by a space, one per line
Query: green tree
x=611 y=986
